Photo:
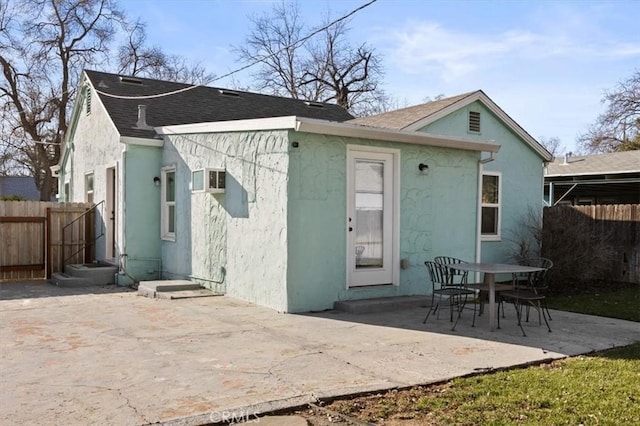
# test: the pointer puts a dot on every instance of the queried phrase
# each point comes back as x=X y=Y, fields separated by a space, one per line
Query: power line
x=257 y=61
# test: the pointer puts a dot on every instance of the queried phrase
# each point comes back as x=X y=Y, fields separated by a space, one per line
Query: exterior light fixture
x=424 y=168
x=156 y=181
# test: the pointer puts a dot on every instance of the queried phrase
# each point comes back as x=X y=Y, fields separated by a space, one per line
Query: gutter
x=324 y=127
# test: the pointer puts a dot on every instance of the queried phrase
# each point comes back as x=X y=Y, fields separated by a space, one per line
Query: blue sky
x=546 y=63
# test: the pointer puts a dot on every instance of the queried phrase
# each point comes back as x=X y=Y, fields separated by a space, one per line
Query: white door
x=370 y=217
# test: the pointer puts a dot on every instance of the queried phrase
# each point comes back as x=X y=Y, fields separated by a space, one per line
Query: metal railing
x=84 y=244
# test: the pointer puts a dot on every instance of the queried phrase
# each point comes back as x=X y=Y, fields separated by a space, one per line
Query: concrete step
x=381 y=304
x=185 y=294
x=172 y=289
x=96 y=273
x=64 y=280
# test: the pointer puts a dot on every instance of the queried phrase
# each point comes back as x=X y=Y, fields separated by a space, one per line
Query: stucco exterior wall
x=236 y=241
x=96 y=147
x=141 y=225
x=437 y=217
x=521 y=168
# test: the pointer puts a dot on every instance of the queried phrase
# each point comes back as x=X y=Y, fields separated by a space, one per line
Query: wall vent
x=88 y=101
x=130 y=80
x=474 y=121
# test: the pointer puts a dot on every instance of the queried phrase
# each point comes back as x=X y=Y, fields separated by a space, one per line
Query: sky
x=546 y=63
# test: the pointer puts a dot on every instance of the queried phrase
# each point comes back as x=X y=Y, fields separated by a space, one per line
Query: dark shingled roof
x=201 y=104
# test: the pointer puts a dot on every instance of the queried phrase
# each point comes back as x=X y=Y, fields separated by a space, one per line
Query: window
x=168 y=213
x=88 y=187
x=490 y=206
x=474 y=122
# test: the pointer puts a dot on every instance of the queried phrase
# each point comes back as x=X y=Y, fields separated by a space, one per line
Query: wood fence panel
x=27 y=228
x=620 y=224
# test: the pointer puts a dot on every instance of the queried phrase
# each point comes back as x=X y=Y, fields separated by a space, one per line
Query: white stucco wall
x=236 y=241
x=96 y=148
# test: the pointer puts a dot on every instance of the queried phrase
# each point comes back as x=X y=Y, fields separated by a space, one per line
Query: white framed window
x=168 y=203
x=88 y=187
x=491 y=206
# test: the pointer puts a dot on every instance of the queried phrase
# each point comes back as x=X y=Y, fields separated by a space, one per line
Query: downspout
x=481 y=164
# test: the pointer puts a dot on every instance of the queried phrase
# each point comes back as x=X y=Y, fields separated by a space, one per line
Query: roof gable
x=417 y=117
x=188 y=104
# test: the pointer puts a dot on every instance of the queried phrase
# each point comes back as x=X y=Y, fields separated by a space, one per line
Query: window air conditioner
x=208 y=180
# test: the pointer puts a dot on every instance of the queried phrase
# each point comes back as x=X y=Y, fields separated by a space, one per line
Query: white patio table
x=490 y=270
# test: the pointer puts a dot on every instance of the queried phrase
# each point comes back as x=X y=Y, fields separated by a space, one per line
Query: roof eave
x=323 y=127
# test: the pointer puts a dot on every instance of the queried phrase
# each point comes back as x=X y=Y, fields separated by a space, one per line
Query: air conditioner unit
x=208 y=180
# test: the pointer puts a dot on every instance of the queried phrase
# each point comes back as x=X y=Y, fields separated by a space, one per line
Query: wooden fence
x=616 y=226
x=34 y=242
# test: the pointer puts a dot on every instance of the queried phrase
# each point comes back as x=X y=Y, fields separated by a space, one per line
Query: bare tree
x=551 y=144
x=618 y=128
x=135 y=57
x=44 y=45
x=326 y=69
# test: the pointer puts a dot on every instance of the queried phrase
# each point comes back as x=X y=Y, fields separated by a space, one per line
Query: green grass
x=599 y=389
x=623 y=304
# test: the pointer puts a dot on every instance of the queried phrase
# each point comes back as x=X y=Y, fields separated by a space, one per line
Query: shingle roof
x=403 y=118
x=198 y=105
x=611 y=163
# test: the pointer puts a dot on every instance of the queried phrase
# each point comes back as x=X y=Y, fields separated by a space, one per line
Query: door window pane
x=369 y=203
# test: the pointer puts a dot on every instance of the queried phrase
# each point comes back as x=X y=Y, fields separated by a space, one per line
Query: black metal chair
x=443 y=285
x=481 y=288
x=530 y=291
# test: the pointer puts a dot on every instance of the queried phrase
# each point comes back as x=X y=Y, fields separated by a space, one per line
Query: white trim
x=498 y=235
x=495 y=109
x=165 y=234
x=130 y=140
x=323 y=127
x=395 y=206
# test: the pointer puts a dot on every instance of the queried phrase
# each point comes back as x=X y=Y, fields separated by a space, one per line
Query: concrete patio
x=108 y=356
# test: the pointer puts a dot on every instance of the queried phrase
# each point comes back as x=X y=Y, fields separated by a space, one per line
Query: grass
x=602 y=388
x=623 y=304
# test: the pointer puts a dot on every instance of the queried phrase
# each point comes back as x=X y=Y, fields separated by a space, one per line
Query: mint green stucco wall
x=234 y=242
x=437 y=216
x=521 y=168
x=141 y=213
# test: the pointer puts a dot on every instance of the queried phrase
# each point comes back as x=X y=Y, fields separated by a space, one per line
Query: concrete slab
x=119 y=359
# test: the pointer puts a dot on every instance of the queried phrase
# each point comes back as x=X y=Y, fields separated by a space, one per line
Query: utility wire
x=257 y=61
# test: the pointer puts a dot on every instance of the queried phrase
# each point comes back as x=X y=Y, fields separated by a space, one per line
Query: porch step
x=381 y=304
x=173 y=289
x=95 y=273
x=64 y=280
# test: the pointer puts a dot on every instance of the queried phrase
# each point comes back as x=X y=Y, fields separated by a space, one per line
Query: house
x=19 y=186
x=289 y=204
x=612 y=178
x=510 y=183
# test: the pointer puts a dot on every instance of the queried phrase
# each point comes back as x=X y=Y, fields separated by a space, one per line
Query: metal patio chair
x=481 y=288
x=530 y=291
x=443 y=285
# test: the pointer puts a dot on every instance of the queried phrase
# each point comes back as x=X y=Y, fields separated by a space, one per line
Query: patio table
x=490 y=270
